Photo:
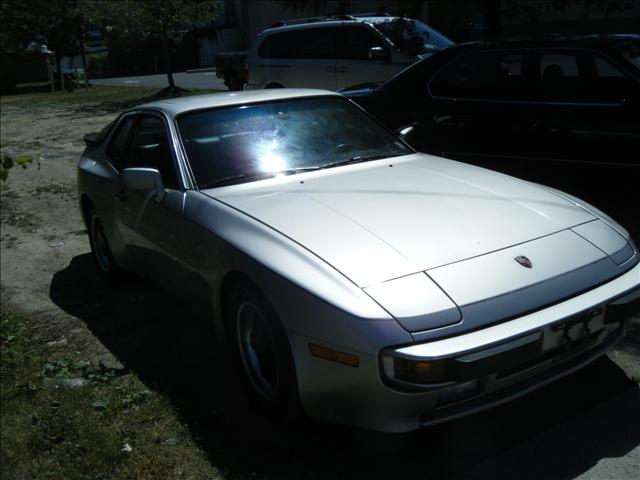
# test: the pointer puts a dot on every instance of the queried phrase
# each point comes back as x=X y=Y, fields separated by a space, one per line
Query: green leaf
x=100 y=404
x=24 y=160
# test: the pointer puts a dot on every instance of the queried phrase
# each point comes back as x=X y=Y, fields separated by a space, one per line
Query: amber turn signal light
x=334 y=355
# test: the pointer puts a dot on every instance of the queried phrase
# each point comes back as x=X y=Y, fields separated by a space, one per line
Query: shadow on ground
x=560 y=431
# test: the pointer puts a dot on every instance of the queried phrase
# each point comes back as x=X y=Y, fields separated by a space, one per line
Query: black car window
x=358 y=41
x=150 y=149
x=307 y=43
x=484 y=76
x=558 y=65
x=631 y=52
x=117 y=148
x=605 y=69
x=581 y=77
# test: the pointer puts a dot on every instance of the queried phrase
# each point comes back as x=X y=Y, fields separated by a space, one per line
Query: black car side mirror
x=407 y=133
x=145 y=180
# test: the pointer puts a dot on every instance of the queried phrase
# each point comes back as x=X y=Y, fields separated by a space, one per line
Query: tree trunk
x=85 y=73
x=59 y=69
x=167 y=63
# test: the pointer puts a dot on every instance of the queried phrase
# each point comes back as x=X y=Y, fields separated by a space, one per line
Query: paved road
x=206 y=80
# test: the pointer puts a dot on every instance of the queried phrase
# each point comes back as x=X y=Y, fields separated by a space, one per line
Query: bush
x=98 y=65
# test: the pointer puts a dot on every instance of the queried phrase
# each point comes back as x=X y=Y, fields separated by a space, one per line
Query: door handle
x=121 y=195
x=331 y=69
x=342 y=69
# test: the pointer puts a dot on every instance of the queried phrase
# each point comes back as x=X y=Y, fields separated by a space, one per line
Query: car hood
x=385 y=219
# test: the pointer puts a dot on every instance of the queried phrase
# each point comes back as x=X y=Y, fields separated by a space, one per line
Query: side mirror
x=144 y=180
x=378 y=53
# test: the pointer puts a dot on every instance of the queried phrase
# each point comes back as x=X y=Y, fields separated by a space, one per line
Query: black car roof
x=595 y=41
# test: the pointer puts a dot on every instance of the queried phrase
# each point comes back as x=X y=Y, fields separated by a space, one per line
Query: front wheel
x=260 y=344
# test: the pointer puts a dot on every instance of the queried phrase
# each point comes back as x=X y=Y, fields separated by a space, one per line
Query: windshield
x=413 y=36
x=251 y=142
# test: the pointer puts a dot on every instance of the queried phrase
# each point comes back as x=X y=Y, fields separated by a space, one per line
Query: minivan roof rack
x=374 y=14
x=328 y=18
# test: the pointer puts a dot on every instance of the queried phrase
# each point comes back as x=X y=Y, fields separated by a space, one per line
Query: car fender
x=310 y=296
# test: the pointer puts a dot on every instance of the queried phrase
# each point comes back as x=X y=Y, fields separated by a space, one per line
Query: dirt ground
x=586 y=427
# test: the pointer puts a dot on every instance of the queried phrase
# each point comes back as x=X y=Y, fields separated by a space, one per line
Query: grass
x=111 y=427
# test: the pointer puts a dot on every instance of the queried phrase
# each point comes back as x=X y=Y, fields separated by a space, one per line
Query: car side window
x=358 y=41
x=314 y=43
x=277 y=45
x=150 y=149
x=482 y=76
x=558 y=65
x=605 y=69
x=306 y=43
x=117 y=148
x=581 y=77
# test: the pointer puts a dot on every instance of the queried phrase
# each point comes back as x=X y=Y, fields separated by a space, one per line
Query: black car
x=564 y=97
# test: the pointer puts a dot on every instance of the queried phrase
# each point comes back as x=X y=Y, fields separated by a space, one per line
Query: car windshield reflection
x=253 y=142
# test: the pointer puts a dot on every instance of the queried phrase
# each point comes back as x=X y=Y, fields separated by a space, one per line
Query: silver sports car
x=351 y=276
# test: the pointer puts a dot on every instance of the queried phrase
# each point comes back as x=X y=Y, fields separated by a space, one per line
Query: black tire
x=233 y=83
x=100 y=250
x=261 y=348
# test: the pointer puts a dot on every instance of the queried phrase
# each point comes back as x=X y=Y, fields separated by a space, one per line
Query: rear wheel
x=100 y=250
x=232 y=82
x=262 y=349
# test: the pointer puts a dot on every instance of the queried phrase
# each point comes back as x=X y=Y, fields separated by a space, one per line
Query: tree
x=53 y=24
x=163 y=20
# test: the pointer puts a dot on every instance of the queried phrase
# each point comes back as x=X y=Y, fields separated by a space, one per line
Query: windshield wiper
x=358 y=159
x=240 y=178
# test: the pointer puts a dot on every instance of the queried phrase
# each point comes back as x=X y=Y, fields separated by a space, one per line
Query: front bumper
x=492 y=365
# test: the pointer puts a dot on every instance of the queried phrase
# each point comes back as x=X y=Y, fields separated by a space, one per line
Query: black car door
x=479 y=102
x=586 y=104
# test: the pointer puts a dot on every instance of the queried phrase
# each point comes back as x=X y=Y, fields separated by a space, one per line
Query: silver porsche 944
x=367 y=283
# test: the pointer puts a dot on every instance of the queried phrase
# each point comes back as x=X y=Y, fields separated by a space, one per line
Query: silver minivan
x=337 y=53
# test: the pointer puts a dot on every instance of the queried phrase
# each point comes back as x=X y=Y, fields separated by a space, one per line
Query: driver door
x=151 y=225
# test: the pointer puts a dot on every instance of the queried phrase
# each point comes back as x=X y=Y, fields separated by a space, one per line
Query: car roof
x=176 y=106
x=597 y=41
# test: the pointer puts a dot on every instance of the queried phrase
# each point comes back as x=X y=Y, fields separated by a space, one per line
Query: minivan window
x=413 y=36
x=305 y=43
x=358 y=41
